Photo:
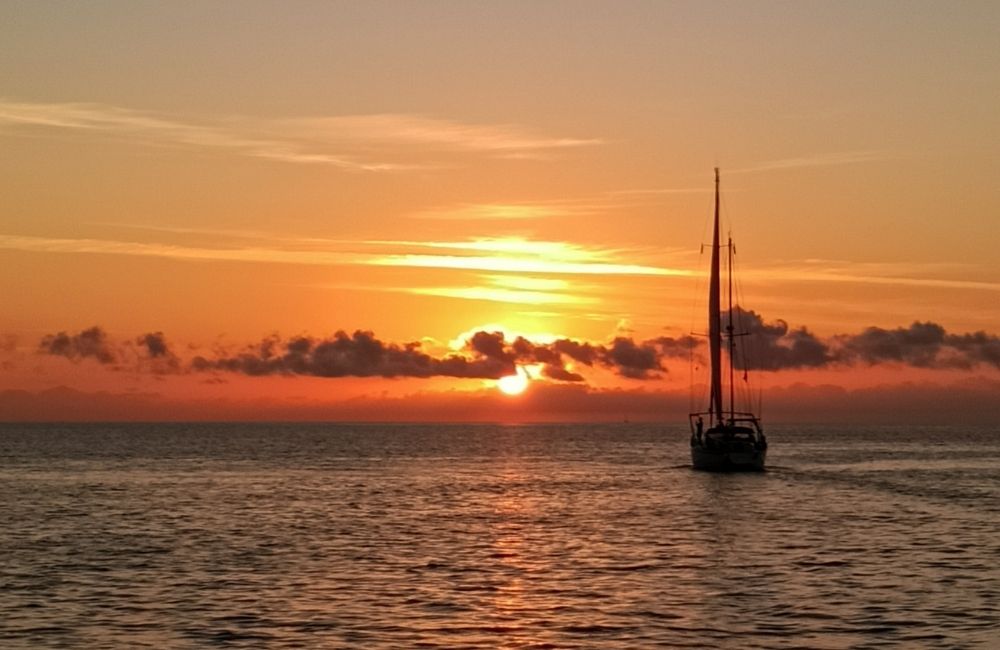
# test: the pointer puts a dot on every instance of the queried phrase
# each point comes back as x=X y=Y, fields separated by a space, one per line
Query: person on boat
x=700 y=425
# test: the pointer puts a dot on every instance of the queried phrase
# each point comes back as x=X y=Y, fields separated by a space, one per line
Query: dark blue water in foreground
x=394 y=536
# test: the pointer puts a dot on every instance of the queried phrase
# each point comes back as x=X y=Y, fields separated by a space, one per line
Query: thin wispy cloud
x=493 y=211
x=516 y=289
x=147 y=128
x=554 y=250
x=112 y=247
x=663 y=190
x=185 y=230
x=499 y=294
x=889 y=274
x=516 y=210
x=428 y=132
x=374 y=143
x=502 y=288
x=527 y=283
x=818 y=160
x=517 y=255
x=506 y=255
x=510 y=264
x=826 y=276
x=520 y=257
x=289 y=155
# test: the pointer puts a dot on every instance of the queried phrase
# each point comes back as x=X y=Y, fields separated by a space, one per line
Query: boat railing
x=728 y=419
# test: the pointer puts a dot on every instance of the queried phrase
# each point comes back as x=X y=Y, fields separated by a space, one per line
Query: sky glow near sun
x=514 y=384
x=413 y=189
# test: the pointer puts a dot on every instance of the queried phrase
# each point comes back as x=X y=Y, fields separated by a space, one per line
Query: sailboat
x=724 y=439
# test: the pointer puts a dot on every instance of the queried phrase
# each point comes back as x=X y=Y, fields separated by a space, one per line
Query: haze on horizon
x=372 y=210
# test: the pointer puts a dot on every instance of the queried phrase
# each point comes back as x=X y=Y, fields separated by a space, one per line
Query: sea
x=493 y=536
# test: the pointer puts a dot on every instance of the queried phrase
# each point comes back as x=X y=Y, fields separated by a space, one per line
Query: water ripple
x=248 y=536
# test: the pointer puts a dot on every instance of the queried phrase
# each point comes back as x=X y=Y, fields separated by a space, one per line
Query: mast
x=731 y=333
x=715 y=318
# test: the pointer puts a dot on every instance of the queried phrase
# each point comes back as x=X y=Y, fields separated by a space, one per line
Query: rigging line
x=753 y=357
x=733 y=352
x=749 y=353
x=738 y=352
x=692 y=404
x=724 y=214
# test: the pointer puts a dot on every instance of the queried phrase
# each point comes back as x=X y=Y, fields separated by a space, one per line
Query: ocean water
x=472 y=536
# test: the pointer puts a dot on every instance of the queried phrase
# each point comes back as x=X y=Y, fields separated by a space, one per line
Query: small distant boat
x=724 y=440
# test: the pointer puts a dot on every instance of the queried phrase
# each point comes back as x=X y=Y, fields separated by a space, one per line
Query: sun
x=514 y=384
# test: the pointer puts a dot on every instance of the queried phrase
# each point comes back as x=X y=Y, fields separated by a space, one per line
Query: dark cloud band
x=770 y=346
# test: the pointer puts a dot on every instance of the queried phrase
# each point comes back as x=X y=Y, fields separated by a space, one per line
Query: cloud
x=776 y=346
x=559 y=373
x=155 y=344
x=516 y=210
x=512 y=258
x=890 y=274
x=773 y=346
x=512 y=264
x=345 y=142
x=149 y=351
x=663 y=190
x=558 y=250
x=502 y=255
x=622 y=355
x=632 y=360
x=816 y=160
x=490 y=354
x=978 y=347
x=493 y=294
x=91 y=343
x=112 y=247
x=514 y=289
x=426 y=131
x=810 y=270
x=360 y=354
x=490 y=344
x=922 y=345
x=584 y=353
x=144 y=127
x=917 y=345
x=155 y=354
x=491 y=212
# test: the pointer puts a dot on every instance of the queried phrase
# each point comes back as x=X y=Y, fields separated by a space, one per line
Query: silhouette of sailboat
x=732 y=440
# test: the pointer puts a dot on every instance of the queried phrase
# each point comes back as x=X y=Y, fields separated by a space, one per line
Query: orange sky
x=221 y=174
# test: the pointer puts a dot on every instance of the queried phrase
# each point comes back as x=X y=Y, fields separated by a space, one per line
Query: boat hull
x=722 y=459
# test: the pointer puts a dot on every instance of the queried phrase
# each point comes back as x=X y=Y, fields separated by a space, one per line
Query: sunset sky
x=195 y=198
